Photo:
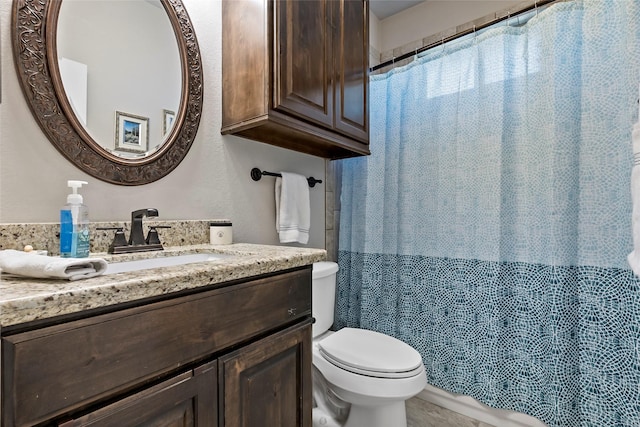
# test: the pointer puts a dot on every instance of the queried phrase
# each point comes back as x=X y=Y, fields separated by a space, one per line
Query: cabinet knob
x=291 y=311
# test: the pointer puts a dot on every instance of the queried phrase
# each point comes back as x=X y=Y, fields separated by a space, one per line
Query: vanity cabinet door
x=187 y=400
x=322 y=63
x=268 y=383
x=304 y=67
x=351 y=62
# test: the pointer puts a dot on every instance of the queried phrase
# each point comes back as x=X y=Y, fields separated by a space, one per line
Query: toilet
x=361 y=378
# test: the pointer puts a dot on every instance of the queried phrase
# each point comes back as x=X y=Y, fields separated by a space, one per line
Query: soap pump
x=74 y=224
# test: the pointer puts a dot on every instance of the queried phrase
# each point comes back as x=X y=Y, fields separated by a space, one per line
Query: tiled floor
x=421 y=413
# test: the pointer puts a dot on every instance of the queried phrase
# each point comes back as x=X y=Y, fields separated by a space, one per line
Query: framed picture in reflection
x=131 y=133
x=167 y=122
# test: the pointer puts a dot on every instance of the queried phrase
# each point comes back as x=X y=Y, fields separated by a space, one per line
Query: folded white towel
x=634 y=256
x=46 y=267
x=292 y=208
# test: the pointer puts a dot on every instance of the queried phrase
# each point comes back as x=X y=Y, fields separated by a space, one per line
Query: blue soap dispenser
x=74 y=225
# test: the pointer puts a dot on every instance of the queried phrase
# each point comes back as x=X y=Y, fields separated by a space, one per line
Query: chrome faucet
x=136 y=237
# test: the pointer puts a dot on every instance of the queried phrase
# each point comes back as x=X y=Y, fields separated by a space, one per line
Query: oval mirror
x=116 y=85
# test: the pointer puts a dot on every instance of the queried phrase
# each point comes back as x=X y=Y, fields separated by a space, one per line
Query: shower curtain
x=490 y=227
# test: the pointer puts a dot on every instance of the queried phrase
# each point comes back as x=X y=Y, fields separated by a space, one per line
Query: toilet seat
x=371 y=353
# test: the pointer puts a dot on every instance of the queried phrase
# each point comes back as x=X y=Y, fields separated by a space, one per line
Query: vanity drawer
x=65 y=367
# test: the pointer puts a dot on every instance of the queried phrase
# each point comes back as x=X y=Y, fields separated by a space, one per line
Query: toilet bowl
x=370 y=373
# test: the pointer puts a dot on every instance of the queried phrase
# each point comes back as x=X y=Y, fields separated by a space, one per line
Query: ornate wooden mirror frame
x=34 y=48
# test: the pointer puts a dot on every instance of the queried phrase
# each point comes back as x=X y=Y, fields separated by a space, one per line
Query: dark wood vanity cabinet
x=268 y=381
x=185 y=400
x=233 y=355
x=295 y=74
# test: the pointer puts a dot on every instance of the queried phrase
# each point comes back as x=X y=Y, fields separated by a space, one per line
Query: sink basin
x=166 y=261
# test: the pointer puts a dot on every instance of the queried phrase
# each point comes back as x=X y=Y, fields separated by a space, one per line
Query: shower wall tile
x=333 y=177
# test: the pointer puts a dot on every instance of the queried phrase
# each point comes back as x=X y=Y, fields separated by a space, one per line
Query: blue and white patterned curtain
x=490 y=227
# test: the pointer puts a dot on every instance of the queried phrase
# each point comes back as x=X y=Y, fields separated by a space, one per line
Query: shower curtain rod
x=525 y=9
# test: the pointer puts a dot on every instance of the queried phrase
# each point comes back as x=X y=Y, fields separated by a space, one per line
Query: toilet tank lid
x=323 y=269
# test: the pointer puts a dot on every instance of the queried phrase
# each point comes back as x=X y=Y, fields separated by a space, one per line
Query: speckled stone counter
x=24 y=300
x=46 y=236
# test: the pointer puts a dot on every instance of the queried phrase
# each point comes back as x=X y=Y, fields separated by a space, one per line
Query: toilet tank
x=323 y=294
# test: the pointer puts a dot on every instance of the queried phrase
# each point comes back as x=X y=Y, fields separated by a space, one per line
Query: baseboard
x=470 y=407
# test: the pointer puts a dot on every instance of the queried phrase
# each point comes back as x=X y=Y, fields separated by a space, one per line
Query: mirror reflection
x=120 y=67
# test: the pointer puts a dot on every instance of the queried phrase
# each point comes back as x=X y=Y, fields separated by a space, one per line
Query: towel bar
x=256 y=175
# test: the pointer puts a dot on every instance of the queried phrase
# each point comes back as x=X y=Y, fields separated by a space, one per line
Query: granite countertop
x=24 y=300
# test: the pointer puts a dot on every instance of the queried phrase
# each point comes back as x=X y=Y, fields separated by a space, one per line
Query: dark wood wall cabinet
x=232 y=355
x=295 y=74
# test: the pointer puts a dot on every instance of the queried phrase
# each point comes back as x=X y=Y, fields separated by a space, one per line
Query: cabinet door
x=268 y=383
x=302 y=65
x=189 y=399
x=351 y=65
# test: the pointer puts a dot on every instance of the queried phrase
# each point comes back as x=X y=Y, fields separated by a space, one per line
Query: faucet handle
x=119 y=240
x=152 y=236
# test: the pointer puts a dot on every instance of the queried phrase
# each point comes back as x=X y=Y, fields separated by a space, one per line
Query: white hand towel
x=292 y=208
x=46 y=267
x=634 y=256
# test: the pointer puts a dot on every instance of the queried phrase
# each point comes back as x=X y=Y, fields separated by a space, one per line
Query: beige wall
x=212 y=181
x=374 y=40
x=428 y=18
